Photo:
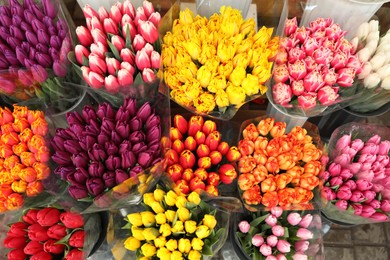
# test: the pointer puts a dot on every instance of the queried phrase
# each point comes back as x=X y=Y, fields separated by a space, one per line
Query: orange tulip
x=246 y=164
x=260 y=173
x=270 y=199
x=10 y=162
x=246 y=147
x=298 y=133
x=28 y=174
x=165 y=142
x=190 y=143
x=33 y=115
x=5 y=190
x=282 y=180
x=213 y=140
x=175 y=171
x=19 y=148
x=10 y=138
x=213 y=190
x=5 y=150
x=201 y=173
x=286 y=197
x=216 y=157
x=182 y=187
x=233 y=154
x=178 y=146
x=175 y=134
x=188 y=174
x=209 y=127
x=285 y=144
x=223 y=148
x=250 y=132
x=252 y=196
x=296 y=173
x=227 y=173
x=285 y=161
x=309 y=181
x=302 y=195
x=260 y=158
x=200 y=137
x=265 y=125
x=19 y=186
x=272 y=165
x=278 y=129
x=2 y=163
x=308 y=139
x=34 y=188
x=35 y=143
x=5 y=177
x=246 y=181
x=43 y=154
x=6 y=116
x=261 y=143
x=195 y=124
x=27 y=158
x=213 y=179
x=15 y=171
x=313 y=167
x=311 y=153
x=26 y=135
x=297 y=152
x=268 y=185
x=20 y=111
x=2 y=204
x=20 y=124
x=273 y=148
x=42 y=170
x=14 y=201
x=7 y=128
x=40 y=127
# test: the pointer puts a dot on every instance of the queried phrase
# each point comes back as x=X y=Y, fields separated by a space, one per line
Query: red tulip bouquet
x=34 y=42
x=278 y=168
x=356 y=186
x=314 y=70
x=279 y=235
x=200 y=157
x=51 y=233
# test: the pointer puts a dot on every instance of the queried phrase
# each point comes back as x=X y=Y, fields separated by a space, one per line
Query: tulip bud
x=84 y=35
x=142 y=60
x=187 y=159
x=227 y=173
x=148 y=75
x=148 y=31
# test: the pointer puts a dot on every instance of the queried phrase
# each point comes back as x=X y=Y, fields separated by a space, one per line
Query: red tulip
x=42 y=256
x=190 y=143
x=125 y=78
x=99 y=49
x=213 y=179
x=77 y=239
x=182 y=186
x=17 y=229
x=37 y=233
x=47 y=217
x=113 y=65
x=175 y=171
x=51 y=246
x=187 y=159
x=118 y=42
x=72 y=220
x=57 y=231
x=227 y=173
x=196 y=183
x=16 y=254
x=33 y=247
x=15 y=242
x=138 y=42
x=74 y=254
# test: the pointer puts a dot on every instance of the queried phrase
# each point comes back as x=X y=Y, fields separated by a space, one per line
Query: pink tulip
x=383 y=160
x=304 y=233
x=376 y=204
x=127 y=55
x=385 y=205
x=257 y=240
x=115 y=14
x=128 y=8
x=113 y=65
x=329 y=76
x=118 y=42
x=310 y=45
x=110 y=26
x=297 y=87
x=350 y=151
x=343 y=159
x=344 y=193
x=346 y=76
x=103 y=14
x=339 y=60
x=290 y=26
x=310 y=63
x=148 y=31
x=283 y=246
x=39 y=73
x=99 y=36
x=297 y=70
x=89 y=12
x=95 y=23
x=148 y=8
x=97 y=64
x=313 y=81
x=281 y=257
x=142 y=60
x=299 y=256
x=278 y=230
x=139 y=16
x=294 y=218
x=375 y=139
x=346 y=174
x=355 y=63
x=295 y=54
x=271 y=220
x=138 y=42
x=328 y=193
x=377 y=187
x=281 y=73
x=301 y=246
x=335 y=181
x=301 y=34
x=265 y=250
x=127 y=66
x=343 y=142
x=306 y=221
x=95 y=80
x=148 y=49
x=307 y=100
x=281 y=56
x=155 y=60
x=327 y=95
x=281 y=93
x=384 y=147
x=350 y=184
x=379 y=217
x=341 y=204
x=99 y=49
x=272 y=240
x=276 y=211
x=155 y=18
x=354 y=167
x=370 y=148
x=357 y=144
x=111 y=83
x=334 y=169
x=320 y=24
x=367 y=211
x=363 y=185
x=369 y=196
x=125 y=78
x=323 y=55
x=84 y=35
x=244 y=226
x=148 y=75
x=131 y=27
x=357 y=207
x=80 y=52
x=271 y=257
x=324 y=175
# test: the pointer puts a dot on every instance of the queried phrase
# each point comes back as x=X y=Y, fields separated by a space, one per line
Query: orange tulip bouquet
x=278 y=168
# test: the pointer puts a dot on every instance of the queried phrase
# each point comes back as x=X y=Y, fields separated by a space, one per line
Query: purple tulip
x=72 y=146
x=14 y=3
x=76 y=130
x=64 y=171
x=81 y=175
x=43 y=59
x=28 y=15
x=49 y=8
x=131 y=106
x=17 y=21
x=111 y=148
x=62 y=34
x=96 y=169
x=93 y=128
x=21 y=55
x=113 y=162
x=62 y=158
x=124 y=146
x=42 y=49
x=48 y=21
x=25 y=77
x=144 y=112
x=31 y=38
x=89 y=141
x=139 y=147
x=7 y=86
x=80 y=160
x=25 y=27
x=128 y=159
x=62 y=25
x=74 y=118
x=13 y=42
x=123 y=129
x=109 y=179
x=3 y=63
x=17 y=33
x=55 y=55
x=107 y=126
x=43 y=37
x=97 y=153
x=37 y=11
x=122 y=114
x=5 y=11
x=120 y=176
x=78 y=191
x=105 y=110
x=25 y=46
x=95 y=186
x=11 y=57
x=52 y=31
x=115 y=137
x=89 y=113
x=153 y=133
x=136 y=170
x=55 y=42
x=152 y=121
x=5 y=21
x=64 y=133
x=38 y=25
x=103 y=138
x=137 y=137
x=145 y=159
x=135 y=124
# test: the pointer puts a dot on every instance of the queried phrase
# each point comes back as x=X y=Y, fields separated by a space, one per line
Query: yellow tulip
x=221 y=98
x=205 y=103
x=178 y=227
x=214 y=23
x=193 y=49
x=165 y=230
x=192 y=89
x=170 y=215
x=135 y=219
x=230 y=28
x=184 y=245
x=170 y=198
x=144 y=258
x=171 y=244
x=181 y=201
x=148 y=250
x=150 y=233
x=160 y=242
x=187 y=71
x=137 y=233
x=202 y=231
x=157 y=207
x=262 y=37
x=247 y=28
x=200 y=21
x=161 y=218
x=132 y=244
x=250 y=85
x=217 y=82
x=176 y=255
x=148 y=218
x=212 y=64
x=168 y=56
x=183 y=214
x=242 y=59
x=194 y=198
x=209 y=221
x=158 y=195
x=225 y=52
x=186 y=16
x=245 y=45
x=180 y=97
x=183 y=58
x=163 y=253
x=171 y=77
x=194 y=255
x=190 y=226
x=197 y=243
x=237 y=76
x=203 y=76
x=225 y=69
x=235 y=94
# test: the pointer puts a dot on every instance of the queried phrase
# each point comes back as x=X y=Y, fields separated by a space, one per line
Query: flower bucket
x=207 y=8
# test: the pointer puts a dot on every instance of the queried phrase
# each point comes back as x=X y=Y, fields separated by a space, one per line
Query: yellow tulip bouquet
x=175 y=226
x=213 y=66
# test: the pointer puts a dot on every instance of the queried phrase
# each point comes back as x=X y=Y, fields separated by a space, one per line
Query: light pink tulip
x=271 y=220
x=304 y=233
x=271 y=257
x=354 y=167
x=294 y=218
x=84 y=36
x=313 y=81
x=132 y=29
x=257 y=240
x=281 y=257
x=148 y=8
x=327 y=95
x=89 y=12
x=139 y=16
x=306 y=221
x=111 y=83
x=80 y=52
x=281 y=93
x=297 y=87
x=283 y=246
x=127 y=66
x=103 y=13
x=128 y=8
x=244 y=226
x=383 y=160
x=278 y=230
x=95 y=23
x=357 y=144
x=343 y=142
x=299 y=256
x=307 y=100
x=281 y=73
x=265 y=250
x=272 y=240
x=148 y=49
x=276 y=211
x=301 y=246
x=138 y=42
x=375 y=139
x=384 y=147
x=343 y=159
x=148 y=75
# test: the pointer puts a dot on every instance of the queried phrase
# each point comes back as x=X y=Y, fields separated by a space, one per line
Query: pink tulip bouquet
x=119 y=47
x=356 y=186
x=279 y=235
x=314 y=69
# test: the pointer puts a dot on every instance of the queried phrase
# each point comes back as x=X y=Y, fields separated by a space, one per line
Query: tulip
x=244 y=226
x=78 y=191
x=112 y=84
x=11 y=57
x=265 y=250
x=51 y=246
x=95 y=186
x=155 y=18
x=257 y=240
x=148 y=75
x=84 y=35
x=98 y=36
x=290 y=26
x=97 y=64
x=148 y=31
x=282 y=93
x=80 y=53
x=138 y=42
x=118 y=42
x=142 y=60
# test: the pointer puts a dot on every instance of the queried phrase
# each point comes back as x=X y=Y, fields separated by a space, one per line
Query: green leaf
x=190 y=205
x=175 y=219
x=265 y=227
x=114 y=50
x=127 y=226
x=128 y=39
x=178 y=233
x=85 y=61
x=258 y=220
x=204 y=207
x=206 y=250
x=286 y=233
x=256 y=255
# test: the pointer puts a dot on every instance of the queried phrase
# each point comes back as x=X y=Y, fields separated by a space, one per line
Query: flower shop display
x=170 y=225
x=35 y=41
x=200 y=157
x=315 y=68
x=356 y=186
x=51 y=233
x=278 y=168
x=24 y=157
x=215 y=65
x=279 y=235
x=118 y=47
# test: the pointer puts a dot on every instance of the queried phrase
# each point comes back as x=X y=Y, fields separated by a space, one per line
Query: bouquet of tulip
x=314 y=67
x=199 y=159
x=356 y=184
x=118 y=48
x=51 y=233
x=35 y=42
x=104 y=146
x=24 y=156
x=279 y=235
x=276 y=168
x=373 y=52
x=171 y=225
x=215 y=65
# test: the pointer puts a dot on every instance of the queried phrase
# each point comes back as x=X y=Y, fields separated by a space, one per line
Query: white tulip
x=384 y=72
x=363 y=31
x=364 y=54
x=378 y=60
x=387 y=57
x=372 y=80
x=385 y=37
x=355 y=43
x=383 y=47
x=372 y=45
x=373 y=36
x=366 y=70
x=374 y=25
x=386 y=83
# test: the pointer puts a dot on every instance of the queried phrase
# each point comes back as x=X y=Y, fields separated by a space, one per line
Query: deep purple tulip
x=122 y=114
x=153 y=120
x=28 y=63
x=95 y=186
x=21 y=55
x=153 y=134
x=50 y=8
x=93 y=128
x=81 y=175
x=25 y=46
x=96 y=169
x=62 y=34
x=121 y=176
x=89 y=141
x=97 y=153
x=61 y=25
x=60 y=69
x=3 y=63
x=55 y=42
x=155 y=148
x=111 y=148
x=11 y=57
x=37 y=24
x=13 y=42
x=124 y=146
x=139 y=147
x=5 y=21
x=137 y=137
x=17 y=33
x=76 y=130
x=128 y=159
x=64 y=133
x=145 y=158
x=105 y=110
x=134 y=171
x=72 y=146
x=80 y=160
x=113 y=162
x=43 y=37
x=103 y=138
x=55 y=55
x=78 y=191
x=57 y=142
x=135 y=124
x=89 y=113
x=3 y=47
x=37 y=11
x=131 y=106
x=144 y=112
x=28 y=15
x=43 y=59
x=17 y=21
x=25 y=27
x=64 y=171
x=107 y=125
x=39 y=73
x=62 y=158
x=5 y=11
x=109 y=179
x=31 y=54
x=74 y=118
x=123 y=129
x=52 y=31
x=31 y=38
x=115 y=137
x=48 y=21
x=42 y=48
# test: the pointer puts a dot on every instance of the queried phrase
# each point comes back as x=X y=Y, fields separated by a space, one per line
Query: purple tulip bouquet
x=34 y=42
x=279 y=235
x=356 y=187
